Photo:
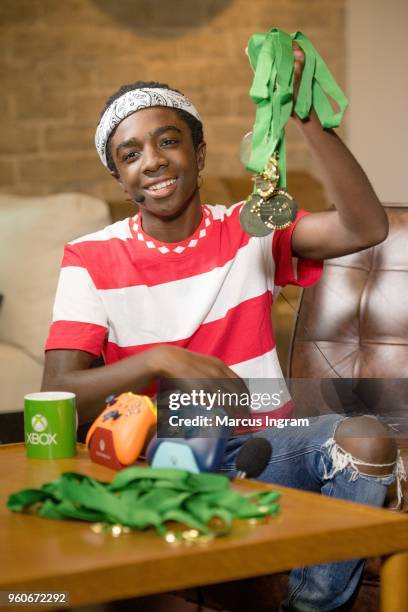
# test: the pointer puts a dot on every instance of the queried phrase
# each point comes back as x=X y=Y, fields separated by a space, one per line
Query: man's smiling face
x=155 y=157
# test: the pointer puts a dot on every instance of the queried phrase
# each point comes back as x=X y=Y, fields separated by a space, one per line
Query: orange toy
x=117 y=436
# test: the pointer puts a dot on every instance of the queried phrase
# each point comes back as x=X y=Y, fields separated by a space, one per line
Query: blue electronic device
x=192 y=454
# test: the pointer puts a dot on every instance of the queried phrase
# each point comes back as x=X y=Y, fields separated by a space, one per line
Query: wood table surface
x=38 y=554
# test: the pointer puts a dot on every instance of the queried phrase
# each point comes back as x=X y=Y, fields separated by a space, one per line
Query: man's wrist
x=155 y=362
x=313 y=132
x=310 y=123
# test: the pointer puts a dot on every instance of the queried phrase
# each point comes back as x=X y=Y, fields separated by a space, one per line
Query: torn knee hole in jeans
x=342 y=459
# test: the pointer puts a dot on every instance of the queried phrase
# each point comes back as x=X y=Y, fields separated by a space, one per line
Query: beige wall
x=377 y=84
x=60 y=60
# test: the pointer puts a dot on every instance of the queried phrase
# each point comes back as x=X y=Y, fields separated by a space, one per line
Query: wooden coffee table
x=44 y=555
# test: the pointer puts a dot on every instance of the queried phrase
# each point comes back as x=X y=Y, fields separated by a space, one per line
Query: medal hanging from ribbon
x=263 y=152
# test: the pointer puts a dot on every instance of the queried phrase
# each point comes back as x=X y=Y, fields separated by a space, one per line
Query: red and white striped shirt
x=121 y=292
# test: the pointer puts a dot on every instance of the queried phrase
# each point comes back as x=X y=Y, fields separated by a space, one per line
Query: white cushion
x=19 y=374
x=33 y=232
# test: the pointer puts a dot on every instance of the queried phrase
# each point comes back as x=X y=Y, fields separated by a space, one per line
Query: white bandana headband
x=131 y=102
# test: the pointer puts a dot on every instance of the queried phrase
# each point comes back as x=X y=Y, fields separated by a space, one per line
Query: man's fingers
x=210 y=383
x=298 y=52
x=237 y=399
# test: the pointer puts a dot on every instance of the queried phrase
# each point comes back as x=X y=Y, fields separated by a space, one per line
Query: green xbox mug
x=50 y=425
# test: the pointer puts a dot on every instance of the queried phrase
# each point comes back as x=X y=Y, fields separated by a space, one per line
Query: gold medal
x=268 y=208
x=272 y=169
x=263 y=186
x=279 y=211
x=250 y=219
x=266 y=181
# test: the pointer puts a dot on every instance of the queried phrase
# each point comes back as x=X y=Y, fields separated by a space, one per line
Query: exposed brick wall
x=60 y=60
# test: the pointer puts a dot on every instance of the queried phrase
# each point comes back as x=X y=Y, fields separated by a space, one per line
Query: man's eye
x=168 y=142
x=130 y=155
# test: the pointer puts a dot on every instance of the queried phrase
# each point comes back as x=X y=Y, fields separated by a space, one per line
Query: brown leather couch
x=350 y=338
x=353 y=324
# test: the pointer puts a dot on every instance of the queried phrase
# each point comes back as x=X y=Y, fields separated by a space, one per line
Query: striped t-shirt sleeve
x=79 y=318
x=288 y=269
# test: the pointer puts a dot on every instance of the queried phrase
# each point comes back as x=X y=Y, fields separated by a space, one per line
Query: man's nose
x=152 y=159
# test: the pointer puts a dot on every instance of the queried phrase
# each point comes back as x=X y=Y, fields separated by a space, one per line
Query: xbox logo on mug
x=49 y=424
x=39 y=423
x=39 y=437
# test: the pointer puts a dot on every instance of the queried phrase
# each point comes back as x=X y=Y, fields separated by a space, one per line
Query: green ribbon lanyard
x=271 y=58
x=140 y=497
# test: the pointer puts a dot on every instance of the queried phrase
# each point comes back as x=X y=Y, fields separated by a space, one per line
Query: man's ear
x=115 y=174
x=200 y=155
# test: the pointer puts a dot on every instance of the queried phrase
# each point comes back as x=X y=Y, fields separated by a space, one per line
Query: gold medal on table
x=279 y=211
x=250 y=219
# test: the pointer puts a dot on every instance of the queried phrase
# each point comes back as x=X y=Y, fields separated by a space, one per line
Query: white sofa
x=33 y=231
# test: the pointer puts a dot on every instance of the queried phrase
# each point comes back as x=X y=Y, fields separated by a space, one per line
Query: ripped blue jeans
x=307 y=458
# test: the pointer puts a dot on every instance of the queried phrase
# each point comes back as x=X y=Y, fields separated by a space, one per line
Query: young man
x=180 y=291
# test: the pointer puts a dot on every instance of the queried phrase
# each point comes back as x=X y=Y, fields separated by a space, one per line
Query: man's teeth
x=161 y=185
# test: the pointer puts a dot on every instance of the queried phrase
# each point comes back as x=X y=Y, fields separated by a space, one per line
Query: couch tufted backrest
x=354 y=323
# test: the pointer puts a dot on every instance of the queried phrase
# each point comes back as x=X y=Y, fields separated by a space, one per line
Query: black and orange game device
x=117 y=437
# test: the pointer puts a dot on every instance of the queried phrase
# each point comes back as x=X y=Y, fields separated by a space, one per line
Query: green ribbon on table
x=141 y=497
x=272 y=60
